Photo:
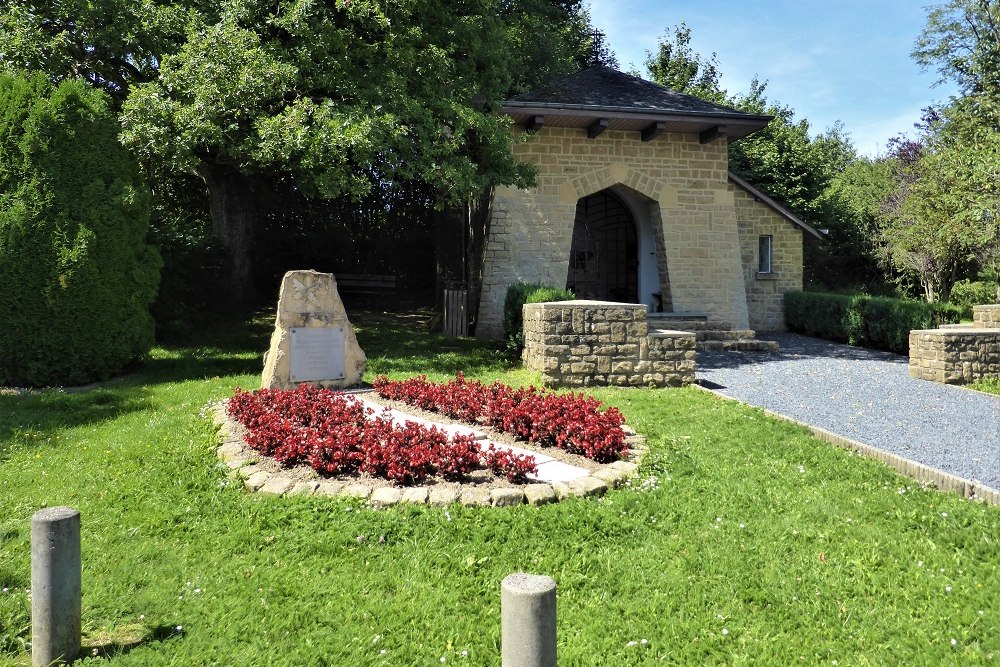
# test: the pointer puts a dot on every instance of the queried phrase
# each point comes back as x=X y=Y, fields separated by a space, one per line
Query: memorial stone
x=313 y=341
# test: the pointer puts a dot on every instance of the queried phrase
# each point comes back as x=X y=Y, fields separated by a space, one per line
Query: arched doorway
x=604 y=257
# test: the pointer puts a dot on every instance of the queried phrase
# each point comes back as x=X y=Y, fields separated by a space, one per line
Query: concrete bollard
x=56 y=590
x=528 y=621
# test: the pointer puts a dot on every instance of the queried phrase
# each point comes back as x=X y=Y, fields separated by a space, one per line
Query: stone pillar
x=56 y=590
x=986 y=317
x=528 y=621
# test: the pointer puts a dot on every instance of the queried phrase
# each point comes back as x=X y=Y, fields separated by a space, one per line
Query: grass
x=989 y=385
x=744 y=541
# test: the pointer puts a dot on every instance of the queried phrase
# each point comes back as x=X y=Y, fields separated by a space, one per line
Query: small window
x=764 y=254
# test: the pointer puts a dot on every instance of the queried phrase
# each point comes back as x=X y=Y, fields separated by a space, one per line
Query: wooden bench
x=365 y=283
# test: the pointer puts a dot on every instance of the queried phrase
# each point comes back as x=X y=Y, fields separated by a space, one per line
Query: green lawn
x=744 y=540
x=989 y=385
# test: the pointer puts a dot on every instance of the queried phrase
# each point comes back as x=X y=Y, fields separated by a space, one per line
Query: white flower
x=947 y=589
x=632 y=643
x=802 y=468
x=954 y=641
x=643 y=642
x=443 y=659
x=725 y=631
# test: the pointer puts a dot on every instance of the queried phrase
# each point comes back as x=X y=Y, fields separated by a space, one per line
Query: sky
x=845 y=60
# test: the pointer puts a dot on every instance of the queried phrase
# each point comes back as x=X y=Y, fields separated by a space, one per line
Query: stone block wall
x=682 y=181
x=955 y=356
x=986 y=317
x=593 y=343
x=766 y=292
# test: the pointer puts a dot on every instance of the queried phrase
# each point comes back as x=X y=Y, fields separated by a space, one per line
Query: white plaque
x=317 y=354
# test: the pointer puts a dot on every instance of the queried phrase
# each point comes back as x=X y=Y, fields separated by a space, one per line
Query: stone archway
x=603 y=261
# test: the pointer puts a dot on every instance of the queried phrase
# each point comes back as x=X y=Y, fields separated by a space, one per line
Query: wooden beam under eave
x=651 y=132
x=597 y=127
x=712 y=133
x=535 y=123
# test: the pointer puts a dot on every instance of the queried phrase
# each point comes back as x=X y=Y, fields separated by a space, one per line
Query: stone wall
x=766 y=292
x=986 y=317
x=682 y=182
x=955 y=356
x=590 y=343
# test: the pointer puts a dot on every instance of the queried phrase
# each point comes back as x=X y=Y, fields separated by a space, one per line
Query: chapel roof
x=602 y=98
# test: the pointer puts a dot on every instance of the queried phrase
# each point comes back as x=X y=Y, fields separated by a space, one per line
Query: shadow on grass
x=29 y=419
x=228 y=344
x=394 y=347
x=125 y=640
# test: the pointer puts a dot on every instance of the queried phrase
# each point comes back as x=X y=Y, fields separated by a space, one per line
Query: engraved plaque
x=317 y=354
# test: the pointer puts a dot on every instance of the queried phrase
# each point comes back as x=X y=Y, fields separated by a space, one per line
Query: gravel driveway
x=867 y=396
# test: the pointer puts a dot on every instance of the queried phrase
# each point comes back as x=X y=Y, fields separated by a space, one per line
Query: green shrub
x=76 y=274
x=968 y=293
x=519 y=294
x=875 y=322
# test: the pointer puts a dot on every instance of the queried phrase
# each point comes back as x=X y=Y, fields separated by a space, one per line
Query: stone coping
x=586 y=303
x=964 y=330
x=261 y=474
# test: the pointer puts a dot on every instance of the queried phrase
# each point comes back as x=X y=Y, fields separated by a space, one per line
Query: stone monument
x=313 y=341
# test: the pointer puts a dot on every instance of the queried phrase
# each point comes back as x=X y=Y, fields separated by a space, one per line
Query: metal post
x=528 y=621
x=56 y=590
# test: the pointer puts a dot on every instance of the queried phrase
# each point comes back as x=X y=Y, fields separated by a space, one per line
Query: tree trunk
x=233 y=208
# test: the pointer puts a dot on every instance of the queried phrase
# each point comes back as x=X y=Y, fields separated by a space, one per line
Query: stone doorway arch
x=604 y=255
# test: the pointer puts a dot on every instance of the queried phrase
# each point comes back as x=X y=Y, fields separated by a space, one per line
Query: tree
x=854 y=252
x=677 y=66
x=962 y=39
x=76 y=274
x=338 y=94
x=938 y=222
x=110 y=45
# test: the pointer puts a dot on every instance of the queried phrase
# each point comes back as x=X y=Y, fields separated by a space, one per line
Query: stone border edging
x=243 y=464
x=925 y=474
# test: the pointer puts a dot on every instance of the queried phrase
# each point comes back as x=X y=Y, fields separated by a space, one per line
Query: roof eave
x=746 y=123
x=775 y=206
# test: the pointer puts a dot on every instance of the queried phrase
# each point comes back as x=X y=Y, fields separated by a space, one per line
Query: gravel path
x=867 y=396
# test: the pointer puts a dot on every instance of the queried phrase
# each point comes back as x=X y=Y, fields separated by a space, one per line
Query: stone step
x=689 y=325
x=724 y=334
x=678 y=316
x=741 y=345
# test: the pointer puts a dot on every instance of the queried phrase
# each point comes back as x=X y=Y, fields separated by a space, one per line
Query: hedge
x=76 y=274
x=875 y=322
x=965 y=294
x=519 y=294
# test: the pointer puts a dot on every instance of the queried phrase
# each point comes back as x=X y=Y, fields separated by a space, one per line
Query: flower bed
x=336 y=435
x=572 y=422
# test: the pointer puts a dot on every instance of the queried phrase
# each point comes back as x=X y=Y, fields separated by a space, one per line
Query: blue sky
x=844 y=60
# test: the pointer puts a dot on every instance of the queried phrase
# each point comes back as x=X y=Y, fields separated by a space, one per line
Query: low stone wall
x=593 y=343
x=955 y=356
x=986 y=317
